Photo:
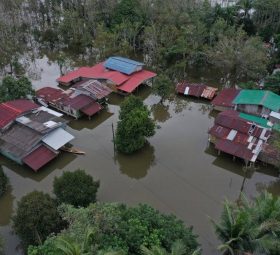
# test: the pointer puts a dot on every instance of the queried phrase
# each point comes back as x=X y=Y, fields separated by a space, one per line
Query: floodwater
x=177 y=171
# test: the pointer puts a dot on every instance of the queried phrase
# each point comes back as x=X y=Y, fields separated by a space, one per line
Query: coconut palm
x=178 y=248
x=250 y=227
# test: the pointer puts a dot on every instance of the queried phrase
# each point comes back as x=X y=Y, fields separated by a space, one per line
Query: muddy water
x=177 y=172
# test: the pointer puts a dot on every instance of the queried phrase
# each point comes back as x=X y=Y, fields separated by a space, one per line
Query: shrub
x=76 y=188
x=36 y=218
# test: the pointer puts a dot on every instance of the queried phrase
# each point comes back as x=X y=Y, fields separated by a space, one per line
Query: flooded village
x=140 y=143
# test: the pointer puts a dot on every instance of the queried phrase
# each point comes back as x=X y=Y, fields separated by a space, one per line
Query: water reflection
x=137 y=165
x=6 y=207
x=160 y=112
x=60 y=162
x=84 y=122
x=273 y=187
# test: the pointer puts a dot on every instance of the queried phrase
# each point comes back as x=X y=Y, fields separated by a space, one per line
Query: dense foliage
x=162 y=86
x=250 y=227
x=12 y=88
x=4 y=181
x=117 y=227
x=134 y=125
x=76 y=188
x=169 y=35
x=36 y=218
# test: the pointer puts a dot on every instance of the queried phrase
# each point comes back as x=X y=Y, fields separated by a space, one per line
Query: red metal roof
x=231 y=119
x=94 y=87
x=129 y=82
x=225 y=97
x=39 y=157
x=219 y=132
x=235 y=149
x=196 y=89
x=10 y=110
x=91 y=109
x=79 y=102
x=136 y=79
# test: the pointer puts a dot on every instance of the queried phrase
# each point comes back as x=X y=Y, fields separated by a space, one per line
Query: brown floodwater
x=176 y=172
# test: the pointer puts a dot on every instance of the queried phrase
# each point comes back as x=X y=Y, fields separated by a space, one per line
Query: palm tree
x=178 y=248
x=250 y=227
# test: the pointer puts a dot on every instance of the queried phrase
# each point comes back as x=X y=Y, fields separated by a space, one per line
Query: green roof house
x=258 y=102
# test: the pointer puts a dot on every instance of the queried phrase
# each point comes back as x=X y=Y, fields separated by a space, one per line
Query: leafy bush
x=134 y=125
x=3 y=182
x=76 y=188
x=36 y=218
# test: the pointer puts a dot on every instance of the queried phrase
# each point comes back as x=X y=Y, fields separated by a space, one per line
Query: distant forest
x=168 y=35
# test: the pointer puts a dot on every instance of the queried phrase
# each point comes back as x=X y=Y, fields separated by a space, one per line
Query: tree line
x=170 y=36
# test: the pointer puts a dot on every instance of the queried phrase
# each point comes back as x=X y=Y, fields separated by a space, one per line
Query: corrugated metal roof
x=100 y=72
x=57 y=138
x=225 y=97
x=267 y=99
x=39 y=157
x=137 y=79
x=260 y=121
x=95 y=88
x=123 y=65
x=10 y=110
x=79 y=102
x=19 y=140
x=91 y=109
x=235 y=149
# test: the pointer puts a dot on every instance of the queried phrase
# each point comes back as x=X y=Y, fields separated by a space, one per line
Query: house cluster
x=245 y=125
x=31 y=134
x=90 y=86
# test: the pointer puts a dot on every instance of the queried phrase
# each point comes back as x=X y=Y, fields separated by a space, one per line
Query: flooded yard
x=176 y=172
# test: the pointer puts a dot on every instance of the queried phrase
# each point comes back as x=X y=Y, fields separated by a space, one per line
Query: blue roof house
x=123 y=65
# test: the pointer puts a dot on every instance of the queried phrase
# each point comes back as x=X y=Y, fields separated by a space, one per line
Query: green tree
x=241 y=56
x=76 y=188
x=36 y=218
x=134 y=125
x=162 y=87
x=117 y=227
x=250 y=227
x=12 y=88
x=272 y=82
x=4 y=181
x=177 y=248
x=248 y=85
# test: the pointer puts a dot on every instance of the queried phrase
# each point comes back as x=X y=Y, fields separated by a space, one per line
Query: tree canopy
x=162 y=86
x=120 y=228
x=250 y=227
x=76 y=188
x=134 y=125
x=36 y=218
x=12 y=88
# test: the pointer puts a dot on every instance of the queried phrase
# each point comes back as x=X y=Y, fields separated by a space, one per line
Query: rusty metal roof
x=10 y=110
x=225 y=97
x=39 y=157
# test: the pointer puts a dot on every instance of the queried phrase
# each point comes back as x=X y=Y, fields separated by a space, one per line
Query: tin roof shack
x=34 y=138
x=237 y=136
x=72 y=102
x=196 y=90
x=258 y=102
x=224 y=100
x=120 y=74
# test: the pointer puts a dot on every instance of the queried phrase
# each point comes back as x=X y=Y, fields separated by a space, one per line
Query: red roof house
x=9 y=111
x=224 y=100
x=124 y=82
